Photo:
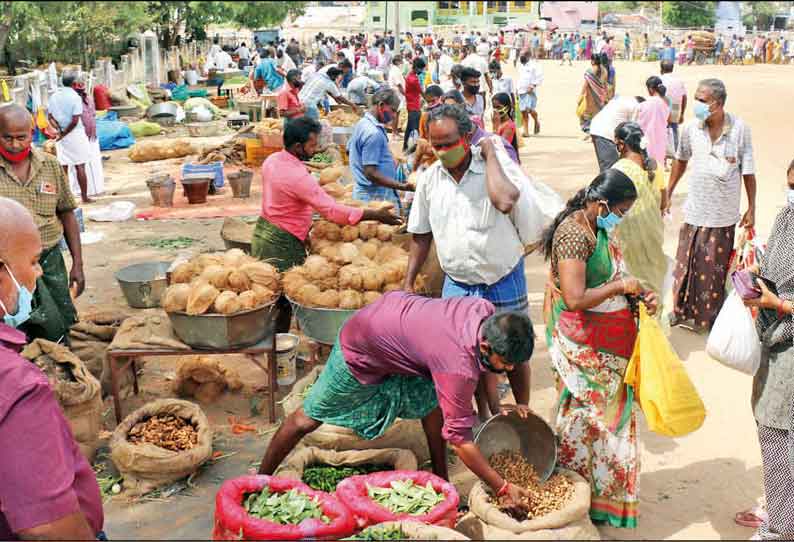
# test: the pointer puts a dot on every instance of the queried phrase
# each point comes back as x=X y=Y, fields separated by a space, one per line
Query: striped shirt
x=715 y=171
x=315 y=90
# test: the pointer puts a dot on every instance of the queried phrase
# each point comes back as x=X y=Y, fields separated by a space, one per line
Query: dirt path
x=690 y=487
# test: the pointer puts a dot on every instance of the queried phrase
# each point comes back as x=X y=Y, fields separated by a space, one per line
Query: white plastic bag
x=118 y=211
x=733 y=340
x=538 y=204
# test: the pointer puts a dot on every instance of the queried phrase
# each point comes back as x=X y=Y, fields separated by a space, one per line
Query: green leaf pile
x=392 y=532
x=405 y=497
x=288 y=508
x=322 y=157
x=326 y=477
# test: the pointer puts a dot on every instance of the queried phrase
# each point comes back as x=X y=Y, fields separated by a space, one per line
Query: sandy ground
x=690 y=487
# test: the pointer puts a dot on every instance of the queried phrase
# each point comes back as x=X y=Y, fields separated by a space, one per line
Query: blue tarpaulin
x=112 y=133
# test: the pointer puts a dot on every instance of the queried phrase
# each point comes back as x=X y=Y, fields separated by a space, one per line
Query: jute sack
x=76 y=390
x=145 y=467
x=576 y=511
x=473 y=527
x=147 y=151
x=414 y=530
x=305 y=457
x=404 y=434
x=89 y=340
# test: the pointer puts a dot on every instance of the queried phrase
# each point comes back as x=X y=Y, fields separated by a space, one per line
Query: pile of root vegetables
x=545 y=498
x=221 y=283
x=165 y=431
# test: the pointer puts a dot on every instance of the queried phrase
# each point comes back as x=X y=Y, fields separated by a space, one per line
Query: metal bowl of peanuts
x=532 y=437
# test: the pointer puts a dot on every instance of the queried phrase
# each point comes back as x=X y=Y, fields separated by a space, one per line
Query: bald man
x=48 y=490
x=36 y=180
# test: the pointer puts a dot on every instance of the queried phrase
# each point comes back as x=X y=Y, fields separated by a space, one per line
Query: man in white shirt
x=501 y=83
x=602 y=128
x=441 y=67
x=396 y=81
x=474 y=60
x=284 y=61
x=676 y=91
x=478 y=220
x=483 y=49
x=357 y=89
x=530 y=76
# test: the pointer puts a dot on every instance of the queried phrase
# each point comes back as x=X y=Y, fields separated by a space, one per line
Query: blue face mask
x=24 y=304
x=701 y=111
x=609 y=222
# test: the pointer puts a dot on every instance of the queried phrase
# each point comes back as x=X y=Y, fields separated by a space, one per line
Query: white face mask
x=790 y=197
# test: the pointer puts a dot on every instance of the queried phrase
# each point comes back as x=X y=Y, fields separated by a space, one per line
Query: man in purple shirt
x=407 y=356
x=48 y=491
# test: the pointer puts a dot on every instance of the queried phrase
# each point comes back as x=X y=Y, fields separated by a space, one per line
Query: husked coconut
x=349 y=233
x=372 y=278
x=367 y=229
x=264 y=274
x=328 y=299
x=263 y=295
x=175 y=297
x=238 y=281
x=215 y=275
x=350 y=299
x=233 y=257
x=347 y=253
x=247 y=300
x=227 y=302
x=385 y=232
x=183 y=273
x=350 y=278
x=307 y=295
x=370 y=296
x=201 y=298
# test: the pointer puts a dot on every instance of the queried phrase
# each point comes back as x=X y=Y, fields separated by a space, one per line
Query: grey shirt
x=773 y=389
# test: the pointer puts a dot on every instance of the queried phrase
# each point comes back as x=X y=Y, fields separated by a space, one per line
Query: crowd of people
x=469 y=201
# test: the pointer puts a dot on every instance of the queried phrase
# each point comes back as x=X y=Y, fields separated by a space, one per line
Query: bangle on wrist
x=503 y=490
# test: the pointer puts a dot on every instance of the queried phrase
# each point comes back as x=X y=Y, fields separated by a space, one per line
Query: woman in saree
x=640 y=234
x=594 y=91
x=591 y=329
x=588 y=48
x=773 y=383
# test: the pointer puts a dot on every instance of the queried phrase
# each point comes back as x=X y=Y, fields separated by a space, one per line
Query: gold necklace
x=589 y=227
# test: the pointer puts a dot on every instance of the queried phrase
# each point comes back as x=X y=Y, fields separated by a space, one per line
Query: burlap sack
x=145 y=467
x=431 y=269
x=474 y=528
x=147 y=151
x=90 y=338
x=76 y=390
x=413 y=530
x=205 y=379
x=404 y=434
x=576 y=511
x=305 y=457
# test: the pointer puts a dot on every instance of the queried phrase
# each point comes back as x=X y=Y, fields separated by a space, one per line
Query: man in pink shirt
x=407 y=356
x=48 y=491
x=676 y=92
x=290 y=196
x=289 y=105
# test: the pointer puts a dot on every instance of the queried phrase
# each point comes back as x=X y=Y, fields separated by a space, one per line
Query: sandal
x=754 y=517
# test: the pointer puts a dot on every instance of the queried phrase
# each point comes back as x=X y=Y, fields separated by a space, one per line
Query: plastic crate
x=221 y=102
x=256 y=153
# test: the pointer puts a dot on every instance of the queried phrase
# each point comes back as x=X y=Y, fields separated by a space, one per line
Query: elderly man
x=48 y=489
x=371 y=162
x=386 y=365
x=65 y=110
x=719 y=146
x=35 y=180
x=478 y=221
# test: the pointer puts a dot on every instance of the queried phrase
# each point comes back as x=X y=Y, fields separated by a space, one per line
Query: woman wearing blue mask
x=591 y=329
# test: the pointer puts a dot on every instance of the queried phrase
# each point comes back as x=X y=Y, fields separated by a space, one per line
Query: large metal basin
x=221 y=332
x=532 y=437
x=143 y=284
x=322 y=325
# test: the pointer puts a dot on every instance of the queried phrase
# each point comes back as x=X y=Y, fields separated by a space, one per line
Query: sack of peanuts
x=76 y=390
x=403 y=434
x=302 y=463
x=160 y=443
x=409 y=530
x=559 y=511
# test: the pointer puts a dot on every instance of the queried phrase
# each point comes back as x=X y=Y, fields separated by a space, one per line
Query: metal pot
x=143 y=284
x=322 y=325
x=163 y=109
x=126 y=110
x=218 y=331
x=240 y=181
x=162 y=188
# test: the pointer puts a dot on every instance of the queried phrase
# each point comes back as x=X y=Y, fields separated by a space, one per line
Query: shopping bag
x=581 y=107
x=733 y=340
x=667 y=397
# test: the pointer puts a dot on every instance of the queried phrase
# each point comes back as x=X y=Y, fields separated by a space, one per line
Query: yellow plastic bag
x=668 y=398
x=581 y=107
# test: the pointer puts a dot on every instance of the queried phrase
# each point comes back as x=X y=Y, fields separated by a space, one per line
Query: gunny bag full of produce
x=400 y=495
x=274 y=508
x=77 y=391
x=324 y=469
x=160 y=443
x=403 y=434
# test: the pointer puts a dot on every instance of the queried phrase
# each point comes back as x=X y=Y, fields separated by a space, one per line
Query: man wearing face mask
x=36 y=180
x=289 y=104
x=48 y=489
x=719 y=146
x=478 y=220
x=386 y=365
x=289 y=199
x=371 y=162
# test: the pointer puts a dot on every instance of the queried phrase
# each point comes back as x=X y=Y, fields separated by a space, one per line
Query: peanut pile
x=166 y=431
x=545 y=498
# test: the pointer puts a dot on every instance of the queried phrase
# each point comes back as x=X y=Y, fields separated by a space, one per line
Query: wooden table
x=119 y=360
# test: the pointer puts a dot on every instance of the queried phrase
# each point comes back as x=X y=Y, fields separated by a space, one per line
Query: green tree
x=761 y=14
x=256 y=15
x=688 y=14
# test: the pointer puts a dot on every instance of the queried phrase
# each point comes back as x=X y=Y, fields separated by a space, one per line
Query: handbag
x=744 y=284
x=666 y=395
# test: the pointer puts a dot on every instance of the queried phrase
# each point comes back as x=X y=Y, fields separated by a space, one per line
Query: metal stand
x=119 y=360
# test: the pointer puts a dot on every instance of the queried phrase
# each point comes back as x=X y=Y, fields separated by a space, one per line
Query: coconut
x=328 y=299
x=367 y=229
x=347 y=253
x=175 y=297
x=264 y=274
x=307 y=294
x=263 y=295
x=201 y=298
x=385 y=232
x=327 y=230
x=238 y=281
x=372 y=279
x=233 y=257
x=215 y=275
x=183 y=273
x=370 y=297
x=369 y=249
x=349 y=233
x=227 y=302
x=389 y=253
x=318 y=267
x=350 y=299
x=247 y=300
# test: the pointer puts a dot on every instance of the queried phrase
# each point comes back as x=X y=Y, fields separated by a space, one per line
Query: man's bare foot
x=525 y=134
x=88 y=200
x=537 y=128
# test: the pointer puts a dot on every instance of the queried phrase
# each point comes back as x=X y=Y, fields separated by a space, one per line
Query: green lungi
x=337 y=398
x=276 y=246
x=53 y=311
